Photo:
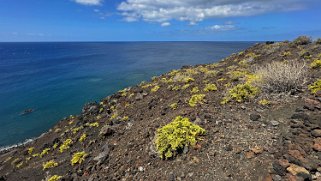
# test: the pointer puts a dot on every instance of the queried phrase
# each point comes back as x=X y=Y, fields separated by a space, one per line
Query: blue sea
x=57 y=79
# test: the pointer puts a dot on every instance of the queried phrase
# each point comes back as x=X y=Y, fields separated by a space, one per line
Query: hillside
x=255 y=115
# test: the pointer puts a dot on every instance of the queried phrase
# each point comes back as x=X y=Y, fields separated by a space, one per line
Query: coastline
x=115 y=138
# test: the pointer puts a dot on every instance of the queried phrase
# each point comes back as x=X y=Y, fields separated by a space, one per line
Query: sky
x=158 y=20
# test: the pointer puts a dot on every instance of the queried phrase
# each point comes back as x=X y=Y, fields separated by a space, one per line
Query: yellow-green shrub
x=264 y=102
x=167 y=81
x=210 y=73
x=65 y=145
x=173 y=106
x=176 y=135
x=173 y=72
x=155 y=88
x=83 y=137
x=44 y=152
x=123 y=92
x=30 y=150
x=75 y=130
x=191 y=71
x=286 y=54
x=78 y=158
x=315 y=87
x=114 y=116
x=49 y=164
x=188 y=79
x=251 y=55
x=146 y=86
x=185 y=86
x=316 y=64
x=195 y=90
x=54 y=178
x=210 y=87
x=94 y=124
x=236 y=75
x=19 y=165
x=35 y=155
x=196 y=99
x=125 y=118
x=241 y=93
x=173 y=88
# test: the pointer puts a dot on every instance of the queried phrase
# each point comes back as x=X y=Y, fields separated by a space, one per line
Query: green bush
x=210 y=87
x=55 y=178
x=49 y=164
x=78 y=158
x=196 y=99
x=315 y=87
x=241 y=93
x=173 y=137
x=316 y=64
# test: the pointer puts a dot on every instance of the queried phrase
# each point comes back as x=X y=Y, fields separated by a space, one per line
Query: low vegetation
x=264 y=102
x=65 y=145
x=196 y=99
x=302 y=40
x=315 y=87
x=49 y=164
x=281 y=77
x=173 y=137
x=316 y=64
x=78 y=158
x=54 y=178
x=210 y=87
x=241 y=93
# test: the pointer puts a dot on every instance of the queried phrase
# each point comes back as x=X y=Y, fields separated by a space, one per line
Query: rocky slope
x=261 y=137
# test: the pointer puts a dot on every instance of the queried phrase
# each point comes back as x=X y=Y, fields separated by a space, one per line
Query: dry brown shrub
x=302 y=40
x=281 y=77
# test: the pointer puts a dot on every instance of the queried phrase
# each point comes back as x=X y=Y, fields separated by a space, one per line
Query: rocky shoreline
x=251 y=131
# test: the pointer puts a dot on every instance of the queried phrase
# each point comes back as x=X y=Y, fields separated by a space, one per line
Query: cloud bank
x=89 y=2
x=194 y=11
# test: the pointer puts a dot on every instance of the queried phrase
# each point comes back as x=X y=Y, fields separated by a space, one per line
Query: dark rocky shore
x=252 y=132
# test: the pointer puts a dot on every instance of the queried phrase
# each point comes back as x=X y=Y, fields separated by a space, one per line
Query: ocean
x=57 y=79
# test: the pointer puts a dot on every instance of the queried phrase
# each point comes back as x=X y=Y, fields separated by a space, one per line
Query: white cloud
x=165 y=24
x=194 y=11
x=89 y=2
x=225 y=27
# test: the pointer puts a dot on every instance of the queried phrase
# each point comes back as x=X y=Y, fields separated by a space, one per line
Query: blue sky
x=158 y=20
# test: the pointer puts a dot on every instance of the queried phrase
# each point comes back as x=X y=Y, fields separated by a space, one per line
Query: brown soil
x=244 y=141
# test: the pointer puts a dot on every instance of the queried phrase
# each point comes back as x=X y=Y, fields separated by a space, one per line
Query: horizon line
x=148 y=41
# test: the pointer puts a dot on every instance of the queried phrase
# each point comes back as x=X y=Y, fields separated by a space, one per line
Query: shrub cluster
x=55 y=178
x=49 y=164
x=78 y=158
x=173 y=137
x=210 y=87
x=315 y=87
x=155 y=88
x=83 y=137
x=302 y=40
x=65 y=145
x=241 y=93
x=196 y=99
x=316 y=64
x=281 y=77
